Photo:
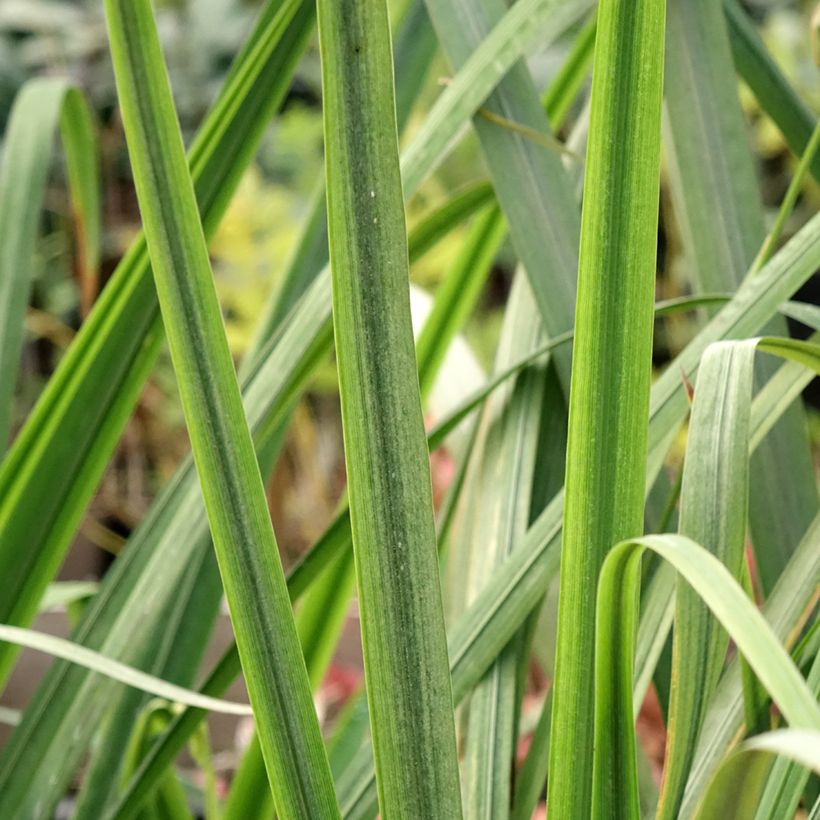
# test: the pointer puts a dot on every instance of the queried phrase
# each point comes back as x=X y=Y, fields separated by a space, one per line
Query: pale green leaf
x=94 y=661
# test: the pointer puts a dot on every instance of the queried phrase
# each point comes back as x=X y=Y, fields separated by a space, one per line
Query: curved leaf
x=617 y=608
x=94 y=661
x=737 y=786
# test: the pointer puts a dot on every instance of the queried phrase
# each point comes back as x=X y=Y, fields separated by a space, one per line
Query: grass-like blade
x=561 y=93
x=502 y=476
x=609 y=399
x=532 y=187
x=41 y=108
x=391 y=506
x=61 y=648
x=713 y=513
x=786 y=781
x=526 y=23
x=735 y=790
x=439 y=222
x=617 y=604
x=59 y=456
x=717 y=201
x=221 y=442
x=457 y=294
x=415 y=46
x=773 y=91
x=784 y=610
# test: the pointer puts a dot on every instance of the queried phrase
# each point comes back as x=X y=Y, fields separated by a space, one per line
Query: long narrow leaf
x=503 y=466
x=787 y=780
x=41 y=106
x=731 y=606
x=390 y=494
x=221 y=442
x=528 y=22
x=713 y=509
x=531 y=185
x=609 y=399
x=719 y=206
x=61 y=648
x=784 y=610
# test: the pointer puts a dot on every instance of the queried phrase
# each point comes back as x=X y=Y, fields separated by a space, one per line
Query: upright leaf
x=223 y=451
x=712 y=513
x=609 y=399
x=56 y=462
x=774 y=93
x=391 y=505
x=531 y=185
x=719 y=206
x=41 y=106
x=503 y=466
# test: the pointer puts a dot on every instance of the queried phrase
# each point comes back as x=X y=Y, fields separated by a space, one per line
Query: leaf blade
x=229 y=474
x=391 y=507
x=609 y=397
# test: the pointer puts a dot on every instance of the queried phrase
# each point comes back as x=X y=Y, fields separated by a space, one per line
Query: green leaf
x=617 y=606
x=437 y=224
x=388 y=473
x=609 y=400
x=221 y=442
x=498 y=509
x=531 y=777
x=718 y=204
x=531 y=185
x=773 y=91
x=173 y=653
x=415 y=46
x=61 y=648
x=735 y=790
x=526 y=23
x=42 y=105
x=60 y=454
x=786 y=781
x=563 y=90
x=784 y=610
x=713 y=512
x=458 y=293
